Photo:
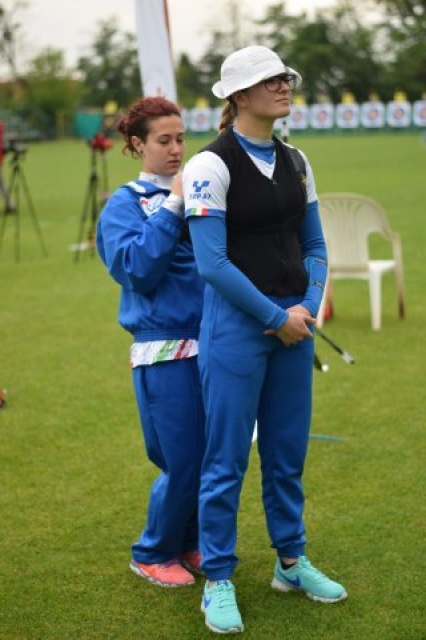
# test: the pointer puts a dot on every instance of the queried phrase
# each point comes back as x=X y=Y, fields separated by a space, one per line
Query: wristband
x=175 y=204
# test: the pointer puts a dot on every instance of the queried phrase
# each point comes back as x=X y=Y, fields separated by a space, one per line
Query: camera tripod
x=16 y=180
x=92 y=205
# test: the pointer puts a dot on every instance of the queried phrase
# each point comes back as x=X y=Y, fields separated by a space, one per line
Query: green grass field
x=73 y=472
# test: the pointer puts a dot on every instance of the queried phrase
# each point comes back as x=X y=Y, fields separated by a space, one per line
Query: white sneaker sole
x=281 y=586
x=215 y=629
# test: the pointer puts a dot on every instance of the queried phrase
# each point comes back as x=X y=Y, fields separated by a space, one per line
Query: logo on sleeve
x=199 y=190
x=152 y=205
x=199 y=187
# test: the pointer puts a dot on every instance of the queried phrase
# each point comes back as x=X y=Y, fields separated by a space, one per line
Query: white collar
x=165 y=182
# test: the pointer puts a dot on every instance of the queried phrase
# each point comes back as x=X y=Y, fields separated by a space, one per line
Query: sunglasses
x=275 y=83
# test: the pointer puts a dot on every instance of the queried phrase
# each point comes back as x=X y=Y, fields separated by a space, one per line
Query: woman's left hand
x=299 y=308
x=288 y=342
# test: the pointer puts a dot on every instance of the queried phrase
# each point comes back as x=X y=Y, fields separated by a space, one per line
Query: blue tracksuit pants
x=170 y=405
x=247 y=375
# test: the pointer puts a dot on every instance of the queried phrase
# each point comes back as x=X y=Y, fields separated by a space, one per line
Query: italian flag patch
x=198 y=212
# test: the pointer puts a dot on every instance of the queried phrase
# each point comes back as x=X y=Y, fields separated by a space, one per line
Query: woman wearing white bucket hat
x=257 y=237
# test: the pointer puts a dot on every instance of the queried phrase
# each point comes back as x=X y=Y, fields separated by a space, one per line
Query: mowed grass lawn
x=73 y=471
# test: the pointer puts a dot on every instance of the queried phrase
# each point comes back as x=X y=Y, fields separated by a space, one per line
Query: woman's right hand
x=295 y=329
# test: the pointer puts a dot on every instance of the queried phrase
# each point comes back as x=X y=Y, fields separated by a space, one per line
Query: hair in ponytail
x=229 y=112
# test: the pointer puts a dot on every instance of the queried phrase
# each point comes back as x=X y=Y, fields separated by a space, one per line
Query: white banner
x=201 y=120
x=278 y=125
x=347 y=116
x=154 y=54
x=322 y=116
x=373 y=115
x=216 y=118
x=186 y=117
x=419 y=113
x=368 y=115
x=299 y=117
x=398 y=114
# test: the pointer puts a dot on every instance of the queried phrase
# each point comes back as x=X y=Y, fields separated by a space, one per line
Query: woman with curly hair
x=142 y=238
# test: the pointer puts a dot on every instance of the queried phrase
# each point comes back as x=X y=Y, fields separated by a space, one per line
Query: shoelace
x=225 y=595
x=317 y=575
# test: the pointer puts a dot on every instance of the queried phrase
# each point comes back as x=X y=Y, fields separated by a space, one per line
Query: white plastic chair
x=348 y=219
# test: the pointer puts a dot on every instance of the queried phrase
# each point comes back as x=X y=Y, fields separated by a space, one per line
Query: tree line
x=358 y=46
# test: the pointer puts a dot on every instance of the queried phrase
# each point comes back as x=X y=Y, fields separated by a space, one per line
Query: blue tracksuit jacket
x=161 y=291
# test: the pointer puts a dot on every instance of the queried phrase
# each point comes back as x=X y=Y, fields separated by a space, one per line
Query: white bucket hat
x=246 y=67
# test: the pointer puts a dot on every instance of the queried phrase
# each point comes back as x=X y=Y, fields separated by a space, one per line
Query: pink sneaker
x=191 y=560
x=164 y=574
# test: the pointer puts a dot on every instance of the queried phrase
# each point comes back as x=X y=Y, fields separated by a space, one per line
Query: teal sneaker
x=304 y=577
x=220 y=608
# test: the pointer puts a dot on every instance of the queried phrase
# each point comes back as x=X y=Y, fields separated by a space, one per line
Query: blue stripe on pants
x=246 y=375
x=169 y=399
